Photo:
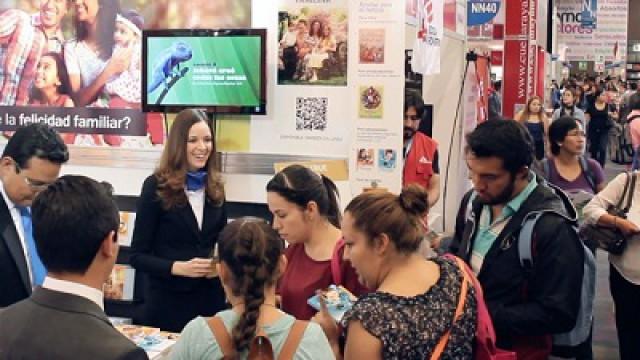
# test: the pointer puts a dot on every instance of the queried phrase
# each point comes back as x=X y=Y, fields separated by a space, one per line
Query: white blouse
x=627 y=264
x=196 y=200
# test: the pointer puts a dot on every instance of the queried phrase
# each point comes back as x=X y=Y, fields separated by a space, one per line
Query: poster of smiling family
x=312 y=43
x=76 y=65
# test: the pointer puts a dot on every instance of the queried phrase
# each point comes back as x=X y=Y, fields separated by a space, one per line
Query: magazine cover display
x=125 y=230
x=120 y=284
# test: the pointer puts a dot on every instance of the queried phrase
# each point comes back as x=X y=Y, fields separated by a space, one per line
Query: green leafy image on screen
x=205 y=71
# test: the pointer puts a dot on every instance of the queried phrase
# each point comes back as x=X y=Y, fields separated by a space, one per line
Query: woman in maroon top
x=306 y=215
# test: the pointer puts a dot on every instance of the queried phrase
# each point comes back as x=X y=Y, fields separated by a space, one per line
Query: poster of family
x=62 y=60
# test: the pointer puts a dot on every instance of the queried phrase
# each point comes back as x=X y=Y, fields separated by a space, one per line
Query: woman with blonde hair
x=536 y=121
x=180 y=212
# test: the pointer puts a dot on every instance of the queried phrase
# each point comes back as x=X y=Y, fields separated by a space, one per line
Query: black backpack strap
x=470 y=224
x=588 y=174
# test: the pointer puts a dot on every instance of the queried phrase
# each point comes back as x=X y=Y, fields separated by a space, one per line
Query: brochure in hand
x=338 y=299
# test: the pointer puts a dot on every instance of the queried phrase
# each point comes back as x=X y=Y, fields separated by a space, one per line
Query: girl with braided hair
x=250 y=261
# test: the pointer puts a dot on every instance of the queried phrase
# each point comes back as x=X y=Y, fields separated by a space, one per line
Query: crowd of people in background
x=222 y=284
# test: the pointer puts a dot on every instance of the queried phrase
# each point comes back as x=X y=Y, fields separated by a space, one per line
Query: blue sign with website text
x=481 y=11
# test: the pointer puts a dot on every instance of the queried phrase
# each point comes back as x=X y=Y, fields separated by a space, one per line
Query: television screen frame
x=261 y=109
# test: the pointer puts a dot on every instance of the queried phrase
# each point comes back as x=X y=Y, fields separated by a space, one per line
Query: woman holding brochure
x=306 y=214
x=415 y=300
x=180 y=213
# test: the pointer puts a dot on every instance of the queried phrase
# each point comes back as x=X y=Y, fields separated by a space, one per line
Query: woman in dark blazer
x=180 y=213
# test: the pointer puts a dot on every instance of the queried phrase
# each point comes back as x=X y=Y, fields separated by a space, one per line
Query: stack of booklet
x=156 y=343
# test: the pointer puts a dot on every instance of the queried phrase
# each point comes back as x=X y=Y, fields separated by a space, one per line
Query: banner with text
x=377 y=97
x=589 y=29
x=428 y=43
x=55 y=69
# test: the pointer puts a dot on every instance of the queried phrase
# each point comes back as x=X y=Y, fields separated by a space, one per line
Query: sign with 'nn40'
x=481 y=11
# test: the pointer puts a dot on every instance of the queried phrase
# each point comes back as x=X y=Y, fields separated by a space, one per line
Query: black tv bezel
x=261 y=109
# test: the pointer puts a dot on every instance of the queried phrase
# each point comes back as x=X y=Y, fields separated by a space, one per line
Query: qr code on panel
x=311 y=113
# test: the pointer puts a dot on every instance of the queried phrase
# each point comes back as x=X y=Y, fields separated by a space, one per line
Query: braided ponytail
x=251 y=250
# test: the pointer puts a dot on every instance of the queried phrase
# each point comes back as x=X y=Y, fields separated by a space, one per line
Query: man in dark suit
x=75 y=222
x=30 y=162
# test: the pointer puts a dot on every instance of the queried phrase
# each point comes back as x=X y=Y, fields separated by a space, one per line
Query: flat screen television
x=219 y=70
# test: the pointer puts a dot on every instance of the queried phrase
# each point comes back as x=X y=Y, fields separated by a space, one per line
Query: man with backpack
x=532 y=287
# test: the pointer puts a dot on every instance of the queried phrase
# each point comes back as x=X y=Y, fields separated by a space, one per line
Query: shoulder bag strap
x=588 y=174
x=618 y=206
x=293 y=340
x=222 y=337
x=630 y=191
x=437 y=352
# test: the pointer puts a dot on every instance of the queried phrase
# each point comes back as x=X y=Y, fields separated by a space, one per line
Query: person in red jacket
x=420 y=151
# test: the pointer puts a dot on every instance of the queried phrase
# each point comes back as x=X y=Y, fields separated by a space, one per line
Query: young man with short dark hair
x=526 y=307
x=75 y=225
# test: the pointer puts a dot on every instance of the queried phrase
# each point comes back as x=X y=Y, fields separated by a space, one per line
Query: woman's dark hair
x=105 y=27
x=300 y=185
x=558 y=130
x=172 y=171
x=251 y=250
x=507 y=140
x=379 y=212
x=598 y=92
x=564 y=110
x=313 y=32
x=65 y=84
x=634 y=102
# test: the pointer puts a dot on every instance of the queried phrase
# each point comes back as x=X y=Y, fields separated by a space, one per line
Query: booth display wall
x=278 y=132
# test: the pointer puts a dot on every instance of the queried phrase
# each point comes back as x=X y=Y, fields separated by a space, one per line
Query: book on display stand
x=125 y=230
x=120 y=284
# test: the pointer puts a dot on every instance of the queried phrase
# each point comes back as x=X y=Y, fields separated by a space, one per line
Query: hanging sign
x=481 y=11
x=588 y=15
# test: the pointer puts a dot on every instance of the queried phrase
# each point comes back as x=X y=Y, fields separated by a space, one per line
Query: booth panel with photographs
x=78 y=69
